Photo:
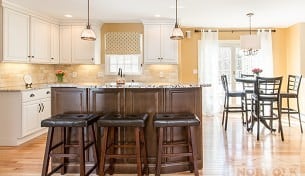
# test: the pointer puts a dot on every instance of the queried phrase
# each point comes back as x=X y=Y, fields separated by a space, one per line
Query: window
x=123 y=50
x=130 y=64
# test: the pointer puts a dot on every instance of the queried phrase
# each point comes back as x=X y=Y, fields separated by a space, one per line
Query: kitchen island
x=133 y=99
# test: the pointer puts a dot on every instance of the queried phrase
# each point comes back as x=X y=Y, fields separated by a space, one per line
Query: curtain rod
x=233 y=30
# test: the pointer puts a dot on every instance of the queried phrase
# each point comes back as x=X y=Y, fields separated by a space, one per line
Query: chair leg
x=159 y=150
x=81 y=141
x=194 y=150
x=257 y=109
x=63 y=149
x=103 y=151
x=46 y=158
x=111 y=142
x=280 y=119
x=189 y=142
x=224 y=109
x=138 y=151
x=95 y=154
x=227 y=111
x=144 y=151
x=242 y=109
x=288 y=110
x=298 y=106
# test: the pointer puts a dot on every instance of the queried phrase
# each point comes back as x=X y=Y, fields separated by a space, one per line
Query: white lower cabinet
x=22 y=114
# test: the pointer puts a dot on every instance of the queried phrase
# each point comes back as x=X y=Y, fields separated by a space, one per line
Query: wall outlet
x=195 y=71
x=74 y=74
x=100 y=74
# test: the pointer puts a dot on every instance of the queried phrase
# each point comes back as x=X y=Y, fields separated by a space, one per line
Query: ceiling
x=193 y=13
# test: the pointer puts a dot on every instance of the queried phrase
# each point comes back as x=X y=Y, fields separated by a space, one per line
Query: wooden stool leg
x=103 y=152
x=194 y=149
x=93 y=138
x=138 y=151
x=144 y=151
x=111 y=141
x=159 y=150
x=47 y=152
x=189 y=141
x=81 y=151
x=63 y=150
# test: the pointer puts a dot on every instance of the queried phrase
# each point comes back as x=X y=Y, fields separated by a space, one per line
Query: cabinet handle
x=42 y=107
x=39 y=108
x=48 y=92
x=32 y=95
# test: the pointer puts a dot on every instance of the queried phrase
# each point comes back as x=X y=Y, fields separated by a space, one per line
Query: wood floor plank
x=235 y=152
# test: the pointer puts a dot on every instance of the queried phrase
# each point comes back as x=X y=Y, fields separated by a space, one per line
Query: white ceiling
x=196 y=13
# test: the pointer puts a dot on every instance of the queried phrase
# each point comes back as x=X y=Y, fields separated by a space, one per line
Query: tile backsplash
x=12 y=74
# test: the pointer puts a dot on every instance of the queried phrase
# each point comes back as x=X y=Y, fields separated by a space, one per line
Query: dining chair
x=293 y=88
x=266 y=104
x=228 y=107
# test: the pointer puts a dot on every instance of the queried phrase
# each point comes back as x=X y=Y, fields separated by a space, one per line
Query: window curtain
x=264 y=57
x=208 y=58
x=122 y=43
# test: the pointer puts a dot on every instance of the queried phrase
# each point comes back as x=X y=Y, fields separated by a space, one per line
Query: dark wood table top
x=245 y=80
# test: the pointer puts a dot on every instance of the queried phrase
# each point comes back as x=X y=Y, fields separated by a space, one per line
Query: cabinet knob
x=29 y=56
x=48 y=92
x=32 y=56
x=92 y=59
x=52 y=58
x=32 y=95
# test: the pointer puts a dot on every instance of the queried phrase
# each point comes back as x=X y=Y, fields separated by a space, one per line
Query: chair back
x=294 y=83
x=224 y=82
x=268 y=87
x=247 y=87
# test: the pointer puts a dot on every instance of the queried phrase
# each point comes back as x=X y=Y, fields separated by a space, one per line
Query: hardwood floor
x=235 y=152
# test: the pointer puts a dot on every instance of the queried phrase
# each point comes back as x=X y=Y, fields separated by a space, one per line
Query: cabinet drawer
x=36 y=94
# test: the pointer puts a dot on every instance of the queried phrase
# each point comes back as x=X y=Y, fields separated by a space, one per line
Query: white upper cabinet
x=27 y=39
x=40 y=41
x=74 y=50
x=15 y=36
x=158 y=47
x=65 y=44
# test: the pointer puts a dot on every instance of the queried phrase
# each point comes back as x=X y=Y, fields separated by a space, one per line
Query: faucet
x=120 y=73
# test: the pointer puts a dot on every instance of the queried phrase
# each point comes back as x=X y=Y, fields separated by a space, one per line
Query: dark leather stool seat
x=110 y=122
x=187 y=120
x=65 y=122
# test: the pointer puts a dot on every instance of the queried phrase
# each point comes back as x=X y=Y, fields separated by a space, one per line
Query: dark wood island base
x=130 y=101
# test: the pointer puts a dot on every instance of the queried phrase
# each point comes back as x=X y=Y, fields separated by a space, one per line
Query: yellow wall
x=189 y=53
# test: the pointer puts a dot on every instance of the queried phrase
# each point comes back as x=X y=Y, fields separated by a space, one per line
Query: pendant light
x=177 y=32
x=250 y=44
x=88 y=33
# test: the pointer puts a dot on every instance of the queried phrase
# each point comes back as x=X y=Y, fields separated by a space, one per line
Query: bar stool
x=65 y=121
x=188 y=120
x=109 y=123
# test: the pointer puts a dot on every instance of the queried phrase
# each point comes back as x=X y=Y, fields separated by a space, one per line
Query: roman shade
x=122 y=43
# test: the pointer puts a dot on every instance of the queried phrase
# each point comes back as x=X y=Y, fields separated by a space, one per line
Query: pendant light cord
x=176 y=25
x=88 y=13
x=250 y=15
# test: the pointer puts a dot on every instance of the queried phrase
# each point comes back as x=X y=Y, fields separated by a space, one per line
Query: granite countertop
x=103 y=85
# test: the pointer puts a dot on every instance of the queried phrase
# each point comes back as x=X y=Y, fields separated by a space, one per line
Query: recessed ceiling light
x=68 y=16
x=157 y=15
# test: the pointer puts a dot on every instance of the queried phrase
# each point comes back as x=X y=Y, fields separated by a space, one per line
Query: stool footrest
x=119 y=156
x=56 y=145
x=55 y=169
x=176 y=154
x=91 y=169
x=61 y=155
x=175 y=145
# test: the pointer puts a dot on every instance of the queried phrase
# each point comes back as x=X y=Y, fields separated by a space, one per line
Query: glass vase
x=60 y=79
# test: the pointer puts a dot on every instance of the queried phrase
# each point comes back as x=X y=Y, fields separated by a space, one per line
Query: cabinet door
x=169 y=48
x=106 y=100
x=45 y=111
x=65 y=45
x=15 y=36
x=68 y=100
x=30 y=117
x=54 y=44
x=152 y=44
x=40 y=41
x=82 y=50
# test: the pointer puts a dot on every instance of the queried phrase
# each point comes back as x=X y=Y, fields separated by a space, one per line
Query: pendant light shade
x=88 y=33
x=250 y=44
x=177 y=33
